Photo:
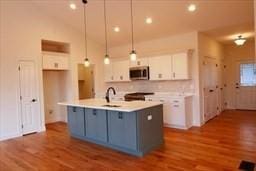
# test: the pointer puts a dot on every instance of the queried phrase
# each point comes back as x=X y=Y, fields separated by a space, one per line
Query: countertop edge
x=110 y=108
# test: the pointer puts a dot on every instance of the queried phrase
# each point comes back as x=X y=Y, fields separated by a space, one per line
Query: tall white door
x=210 y=84
x=29 y=102
x=246 y=85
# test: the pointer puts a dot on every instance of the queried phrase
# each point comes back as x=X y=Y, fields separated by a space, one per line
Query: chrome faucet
x=107 y=93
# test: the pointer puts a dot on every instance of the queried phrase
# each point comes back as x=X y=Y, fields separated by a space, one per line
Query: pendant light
x=106 y=58
x=86 y=61
x=133 y=55
x=240 y=40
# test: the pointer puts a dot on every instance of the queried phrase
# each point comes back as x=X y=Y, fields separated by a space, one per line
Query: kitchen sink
x=109 y=105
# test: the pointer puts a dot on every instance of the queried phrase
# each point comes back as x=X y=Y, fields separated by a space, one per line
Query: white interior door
x=246 y=85
x=210 y=83
x=29 y=103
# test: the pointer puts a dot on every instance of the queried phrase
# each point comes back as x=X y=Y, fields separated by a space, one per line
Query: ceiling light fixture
x=240 y=40
x=191 y=7
x=106 y=58
x=149 y=20
x=133 y=55
x=86 y=61
x=72 y=6
x=116 y=29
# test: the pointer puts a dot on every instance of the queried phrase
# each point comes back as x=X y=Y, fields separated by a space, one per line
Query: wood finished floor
x=219 y=145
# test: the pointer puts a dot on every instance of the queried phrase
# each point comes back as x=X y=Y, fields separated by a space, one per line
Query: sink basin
x=109 y=105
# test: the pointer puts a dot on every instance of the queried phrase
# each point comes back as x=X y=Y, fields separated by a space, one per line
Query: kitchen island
x=134 y=127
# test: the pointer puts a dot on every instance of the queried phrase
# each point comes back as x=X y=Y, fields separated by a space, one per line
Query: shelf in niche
x=55 y=47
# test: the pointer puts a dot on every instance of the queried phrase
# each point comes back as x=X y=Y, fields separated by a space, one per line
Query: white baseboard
x=6 y=137
x=175 y=126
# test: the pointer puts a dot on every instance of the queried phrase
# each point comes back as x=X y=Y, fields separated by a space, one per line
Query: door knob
x=33 y=100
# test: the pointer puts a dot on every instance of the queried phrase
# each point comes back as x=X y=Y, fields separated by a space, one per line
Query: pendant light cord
x=85 y=32
x=105 y=19
x=132 y=26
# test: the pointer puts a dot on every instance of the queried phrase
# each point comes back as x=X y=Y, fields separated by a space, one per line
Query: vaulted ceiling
x=220 y=19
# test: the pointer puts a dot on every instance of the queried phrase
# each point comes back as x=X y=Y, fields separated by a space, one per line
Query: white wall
x=233 y=54
x=172 y=44
x=22 y=27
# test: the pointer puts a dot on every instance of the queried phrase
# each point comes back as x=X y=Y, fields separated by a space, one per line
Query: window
x=248 y=74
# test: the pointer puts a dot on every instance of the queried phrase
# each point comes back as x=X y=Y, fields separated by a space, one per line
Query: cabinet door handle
x=74 y=109
x=94 y=112
x=138 y=62
x=112 y=78
x=159 y=75
x=161 y=100
x=121 y=77
x=175 y=105
x=175 y=101
x=120 y=115
x=56 y=65
x=174 y=75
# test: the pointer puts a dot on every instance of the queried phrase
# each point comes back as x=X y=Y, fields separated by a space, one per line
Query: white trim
x=6 y=137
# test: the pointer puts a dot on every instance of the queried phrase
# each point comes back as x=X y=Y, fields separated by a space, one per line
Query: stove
x=136 y=96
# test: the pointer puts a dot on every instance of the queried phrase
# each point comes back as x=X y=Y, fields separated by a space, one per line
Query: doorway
x=30 y=114
x=246 y=85
x=86 y=81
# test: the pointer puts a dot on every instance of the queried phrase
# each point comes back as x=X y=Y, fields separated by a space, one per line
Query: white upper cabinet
x=117 y=71
x=139 y=62
x=169 y=67
x=108 y=73
x=55 y=62
x=160 y=67
x=164 y=67
x=180 y=66
x=121 y=71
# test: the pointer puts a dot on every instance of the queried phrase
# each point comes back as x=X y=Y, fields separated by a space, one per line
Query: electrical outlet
x=50 y=111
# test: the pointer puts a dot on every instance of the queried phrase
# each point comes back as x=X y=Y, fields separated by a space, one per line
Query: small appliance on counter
x=137 y=96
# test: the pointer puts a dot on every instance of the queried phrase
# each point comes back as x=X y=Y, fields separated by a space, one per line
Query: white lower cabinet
x=177 y=111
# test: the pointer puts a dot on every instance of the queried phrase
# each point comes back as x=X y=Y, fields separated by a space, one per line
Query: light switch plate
x=149 y=117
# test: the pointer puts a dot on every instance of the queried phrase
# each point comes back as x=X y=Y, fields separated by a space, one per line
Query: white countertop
x=124 y=106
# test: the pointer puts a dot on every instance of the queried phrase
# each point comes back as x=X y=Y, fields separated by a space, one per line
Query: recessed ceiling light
x=149 y=20
x=191 y=7
x=72 y=6
x=116 y=29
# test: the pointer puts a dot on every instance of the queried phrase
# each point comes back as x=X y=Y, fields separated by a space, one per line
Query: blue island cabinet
x=122 y=130
x=136 y=132
x=96 y=124
x=76 y=121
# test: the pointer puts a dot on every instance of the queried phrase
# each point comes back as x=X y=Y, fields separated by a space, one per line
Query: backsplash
x=184 y=86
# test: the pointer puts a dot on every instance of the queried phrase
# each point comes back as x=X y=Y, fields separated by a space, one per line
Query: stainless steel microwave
x=139 y=73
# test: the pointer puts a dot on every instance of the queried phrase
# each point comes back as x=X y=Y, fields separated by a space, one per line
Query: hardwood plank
x=219 y=145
